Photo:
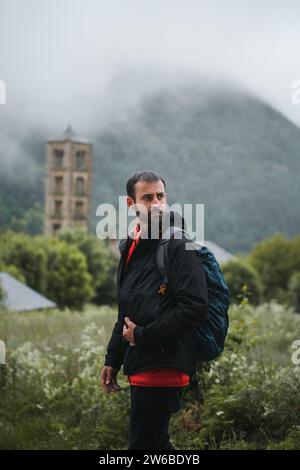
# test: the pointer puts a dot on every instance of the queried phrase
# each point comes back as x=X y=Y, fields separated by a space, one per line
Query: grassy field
x=51 y=396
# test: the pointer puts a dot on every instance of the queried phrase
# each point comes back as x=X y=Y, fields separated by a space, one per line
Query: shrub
x=101 y=263
x=56 y=395
x=52 y=398
x=30 y=260
x=275 y=261
x=50 y=266
x=68 y=282
x=13 y=271
x=242 y=280
x=294 y=291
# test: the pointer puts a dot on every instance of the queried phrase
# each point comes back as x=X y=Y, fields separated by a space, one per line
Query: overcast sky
x=85 y=61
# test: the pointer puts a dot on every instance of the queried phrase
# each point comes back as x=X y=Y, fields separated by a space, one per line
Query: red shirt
x=165 y=377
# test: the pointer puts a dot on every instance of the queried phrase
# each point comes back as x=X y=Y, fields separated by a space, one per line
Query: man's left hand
x=128 y=331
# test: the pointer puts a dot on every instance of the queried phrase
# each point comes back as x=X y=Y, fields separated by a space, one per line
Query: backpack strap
x=162 y=253
x=162 y=260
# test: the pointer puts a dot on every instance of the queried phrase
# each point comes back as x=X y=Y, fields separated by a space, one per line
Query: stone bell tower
x=68 y=182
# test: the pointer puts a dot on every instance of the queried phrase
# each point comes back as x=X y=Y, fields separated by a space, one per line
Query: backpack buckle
x=162 y=289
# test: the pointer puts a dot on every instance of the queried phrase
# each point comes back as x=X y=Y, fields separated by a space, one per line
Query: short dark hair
x=143 y=175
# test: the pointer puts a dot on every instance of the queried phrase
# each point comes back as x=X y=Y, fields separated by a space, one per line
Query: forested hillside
x=230 y=151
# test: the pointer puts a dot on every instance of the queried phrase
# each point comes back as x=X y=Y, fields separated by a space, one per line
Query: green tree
x=69 y=283
x=13 y=271
x=21 y=251
x=32 y=222
x=101 y=262
x=274 y=259
x=294 y=291
x=48 y=265
x=243 y=281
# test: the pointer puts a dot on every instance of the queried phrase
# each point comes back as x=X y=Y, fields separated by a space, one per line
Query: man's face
x=150 y=201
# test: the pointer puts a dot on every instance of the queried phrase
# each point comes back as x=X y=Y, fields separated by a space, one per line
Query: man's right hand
x=109 y=379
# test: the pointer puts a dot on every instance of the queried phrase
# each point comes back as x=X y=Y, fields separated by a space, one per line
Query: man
x=152 y=336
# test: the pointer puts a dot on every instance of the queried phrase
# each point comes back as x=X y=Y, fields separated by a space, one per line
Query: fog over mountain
x=227 y=150
x=198 y=90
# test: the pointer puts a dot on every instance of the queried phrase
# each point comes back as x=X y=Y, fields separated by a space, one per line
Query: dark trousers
x=151 y=409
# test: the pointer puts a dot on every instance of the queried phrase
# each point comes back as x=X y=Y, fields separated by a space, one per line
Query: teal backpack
x=210 y=336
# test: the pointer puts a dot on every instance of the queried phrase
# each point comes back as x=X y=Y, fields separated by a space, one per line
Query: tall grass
x=51 y=397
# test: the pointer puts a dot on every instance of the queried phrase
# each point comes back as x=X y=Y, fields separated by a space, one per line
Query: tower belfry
x=68 y=182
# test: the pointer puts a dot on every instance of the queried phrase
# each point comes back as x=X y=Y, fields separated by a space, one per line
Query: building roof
x=69 y=134
x=19 y=296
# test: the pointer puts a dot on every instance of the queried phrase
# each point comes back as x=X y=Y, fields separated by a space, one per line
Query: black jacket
x=162 y=336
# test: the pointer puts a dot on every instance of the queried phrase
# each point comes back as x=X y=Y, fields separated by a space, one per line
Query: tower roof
x=69 y=134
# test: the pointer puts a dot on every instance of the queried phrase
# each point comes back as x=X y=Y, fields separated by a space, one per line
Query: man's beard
x=154 y=222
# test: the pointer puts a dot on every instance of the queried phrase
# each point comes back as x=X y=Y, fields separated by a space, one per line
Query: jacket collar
x=124 y=244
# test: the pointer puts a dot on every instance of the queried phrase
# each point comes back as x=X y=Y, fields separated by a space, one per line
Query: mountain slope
x=235 y=154
x=230 y=151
